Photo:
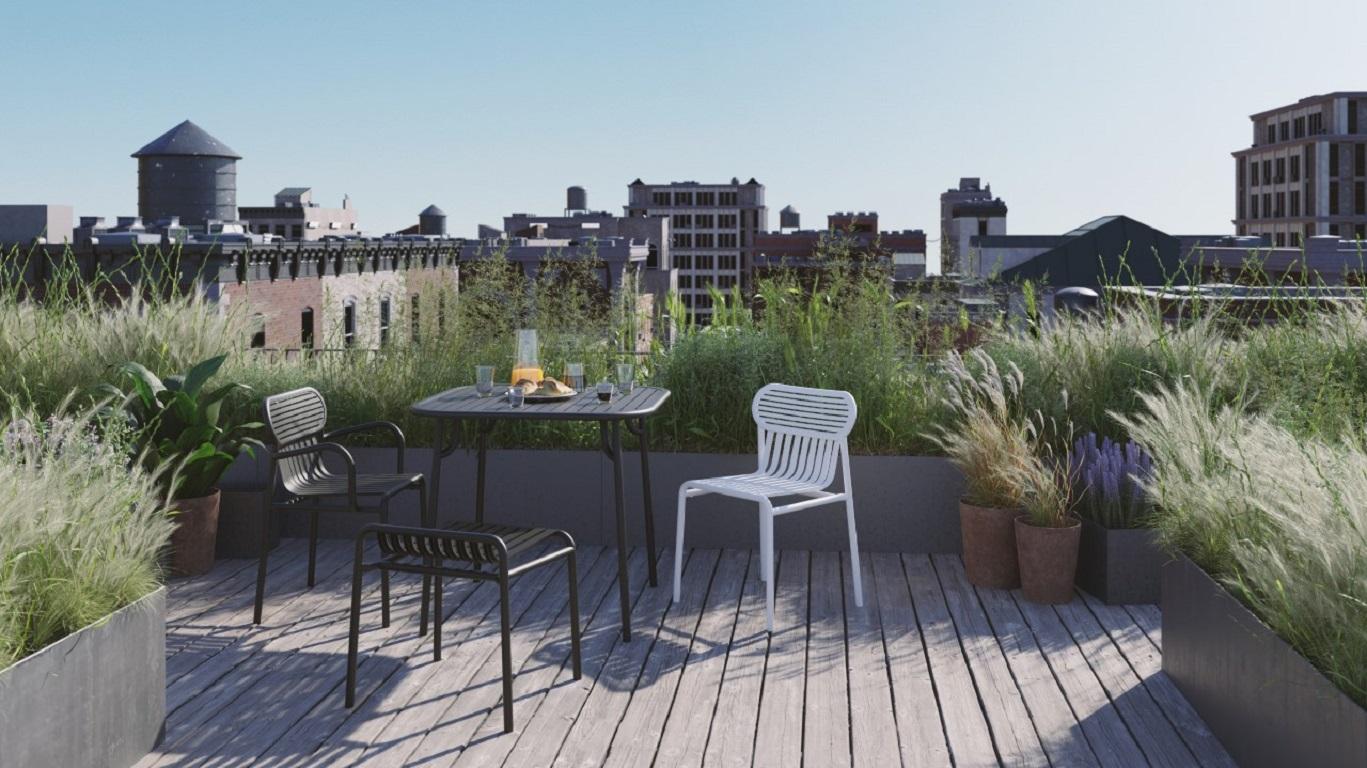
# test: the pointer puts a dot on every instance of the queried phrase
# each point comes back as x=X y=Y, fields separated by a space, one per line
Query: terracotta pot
x=1048 y=560
x=989 y=546
x=192 y=541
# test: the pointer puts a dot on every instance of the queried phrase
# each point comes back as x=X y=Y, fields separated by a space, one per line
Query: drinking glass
x=626 y=377
x=574 y=372
x=605 y=390
x=484 y=380
x=515 y=397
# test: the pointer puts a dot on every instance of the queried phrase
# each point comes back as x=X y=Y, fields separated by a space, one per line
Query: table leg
x=429 y=519
x=613 y=448
x=641 y=437
x=482 y=442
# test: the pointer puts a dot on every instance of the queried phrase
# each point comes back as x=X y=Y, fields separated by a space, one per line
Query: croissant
x=555 y=386
x=526 y=385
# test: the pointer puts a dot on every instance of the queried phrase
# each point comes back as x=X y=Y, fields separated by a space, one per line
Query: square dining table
x=630 y=409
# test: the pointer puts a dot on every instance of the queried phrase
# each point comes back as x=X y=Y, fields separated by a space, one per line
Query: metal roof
x=293 y=191
x=1108 y=249
x=187 y=139
x=432 y=210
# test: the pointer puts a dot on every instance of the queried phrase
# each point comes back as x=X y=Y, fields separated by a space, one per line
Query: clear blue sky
x=1070 y=109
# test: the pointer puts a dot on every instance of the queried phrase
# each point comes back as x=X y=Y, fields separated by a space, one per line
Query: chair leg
x=384 y=572
x=766 y=517
x=574 y=614
x=313 y=542
x=261 y=565
x=679 y=539
x=426 y=579
x=854 y=553
x=505 y=622
x=436 y=619
x=354 y=633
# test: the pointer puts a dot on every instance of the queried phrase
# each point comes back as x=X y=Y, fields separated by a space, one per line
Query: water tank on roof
x=576 y=199
x=186 y=172
x=789 y=218
x=432 y=221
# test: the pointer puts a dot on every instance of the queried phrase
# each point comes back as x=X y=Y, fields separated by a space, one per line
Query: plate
x=548 y=398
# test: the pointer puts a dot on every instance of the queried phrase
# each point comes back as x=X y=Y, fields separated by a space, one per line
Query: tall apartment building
x=1305 y=172
x=965 y=212
x=713 y=228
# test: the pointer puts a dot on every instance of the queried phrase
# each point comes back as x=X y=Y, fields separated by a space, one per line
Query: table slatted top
x=465 y=403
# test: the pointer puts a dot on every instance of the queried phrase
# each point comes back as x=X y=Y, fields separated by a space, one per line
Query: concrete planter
x=1120 y=566
x=1262 y=699
x=902 y=503
x=94 y=698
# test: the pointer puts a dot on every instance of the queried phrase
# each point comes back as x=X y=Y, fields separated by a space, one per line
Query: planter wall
x=1262 y=699
x=902 y=503
x=94 y=698
x=1120 y=566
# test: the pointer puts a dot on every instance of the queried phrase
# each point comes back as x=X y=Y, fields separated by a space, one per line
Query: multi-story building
x=295 y=216
x=713 y=228
x=855 y=235
x=965 y=212
x=1305 y=172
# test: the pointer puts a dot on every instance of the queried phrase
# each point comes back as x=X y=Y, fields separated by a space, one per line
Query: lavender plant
x=1109 y=478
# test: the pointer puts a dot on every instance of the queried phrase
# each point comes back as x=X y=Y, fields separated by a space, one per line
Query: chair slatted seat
x=803 y=440
x=297 y=420
x=515 y=541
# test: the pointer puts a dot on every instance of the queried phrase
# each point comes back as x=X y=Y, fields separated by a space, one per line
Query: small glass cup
x=515 y=397
x=605 y=390
x=626 y=377
x=484 y=380
x=574 y=373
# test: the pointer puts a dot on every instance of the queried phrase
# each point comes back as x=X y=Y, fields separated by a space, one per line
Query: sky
x=1070 y=110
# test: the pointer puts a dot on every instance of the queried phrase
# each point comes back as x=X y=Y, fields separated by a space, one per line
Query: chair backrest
x=802 y=431
x=296 y=419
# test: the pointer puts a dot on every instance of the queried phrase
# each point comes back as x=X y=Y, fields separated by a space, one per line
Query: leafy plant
x=178 y=425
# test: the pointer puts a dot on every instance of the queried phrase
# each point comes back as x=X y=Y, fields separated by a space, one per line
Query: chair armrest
x=371 y=426
x=319 y=448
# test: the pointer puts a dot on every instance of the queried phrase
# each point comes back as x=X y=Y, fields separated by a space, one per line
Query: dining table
x=454 y=408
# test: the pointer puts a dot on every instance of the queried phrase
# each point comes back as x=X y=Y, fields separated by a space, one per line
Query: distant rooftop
x=187 y=139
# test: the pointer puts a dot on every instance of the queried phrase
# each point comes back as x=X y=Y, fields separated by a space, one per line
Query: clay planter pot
x=192 y=541
x=1048 y=560
x=989 y=546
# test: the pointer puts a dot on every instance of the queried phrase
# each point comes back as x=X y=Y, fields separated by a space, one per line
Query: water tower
x=576 y=200
x=789 y=218
x=432 y=221
x=185 y=172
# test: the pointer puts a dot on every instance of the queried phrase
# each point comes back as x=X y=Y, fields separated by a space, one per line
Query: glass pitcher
x=527 y=362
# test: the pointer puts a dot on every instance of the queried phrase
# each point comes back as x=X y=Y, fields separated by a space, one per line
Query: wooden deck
x=930 y=672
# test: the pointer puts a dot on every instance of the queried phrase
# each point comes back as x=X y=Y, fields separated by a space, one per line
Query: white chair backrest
x=296 y=419
x=802 y=431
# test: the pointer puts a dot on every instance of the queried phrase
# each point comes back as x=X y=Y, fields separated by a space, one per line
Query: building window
x=1271 y=133
x=280 y=230
x=384 y=320
x=726 y=221
x=707 y=198
x=414 y=318
x=1281 y=170
x=681 y=221
x=683 y=240
x=1296 y=167
x=704 y=262
x=1333 y=198
x=1280 y=240
x=726 y=198
x=349 y=323
x=726 y=240
x=1299 y=127
x=685 y=281
x=298 y=231
x=683 y=198
x=1359 y=204
x=703 y=240
x=1267 y=205
x=258 y=331
x=1352 y=116
x=1333 y=160
x=1281 y=205
x=1254 y=165
x=659 y=198
x=306 y=328
x=1242 y=207
x=1295 y=202
x=683 y=261
x=705 y=221
x=1360 y=160
x=1253 y=206
x=1267 y=171
x=726 y=262
x=1317 y=123
x=1285 y=130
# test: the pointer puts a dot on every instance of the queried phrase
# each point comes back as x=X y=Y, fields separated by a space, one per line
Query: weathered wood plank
x=686 y=730
x=779 y=739
x=731 y=743
x=1151 y=729
x=1012 y=729
x=1146 y=661
x=190 y=597
x=1149 y=619
x=970 y=740
x=826 y=719
x=873 y=726
x=643 y=724
x=1106 y=733
x=920 y=733
x=993 y=611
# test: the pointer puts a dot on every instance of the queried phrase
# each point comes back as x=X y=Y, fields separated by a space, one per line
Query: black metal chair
x=473 y=545
x=296 y=419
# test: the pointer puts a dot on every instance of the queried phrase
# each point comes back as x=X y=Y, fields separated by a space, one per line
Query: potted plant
x=987 y=444
x=1119 y=558
x=177 y=425
x=1047 y=535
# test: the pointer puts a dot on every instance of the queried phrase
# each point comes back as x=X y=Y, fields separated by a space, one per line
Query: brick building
x=851 y=233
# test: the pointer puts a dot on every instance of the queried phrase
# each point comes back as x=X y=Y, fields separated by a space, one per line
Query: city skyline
x=473 y=109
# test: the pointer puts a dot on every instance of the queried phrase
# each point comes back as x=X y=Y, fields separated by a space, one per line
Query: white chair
x=803 y=432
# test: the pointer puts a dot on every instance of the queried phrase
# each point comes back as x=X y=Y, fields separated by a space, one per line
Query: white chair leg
x=766 y=556
x=679 y=540
x=854 y=553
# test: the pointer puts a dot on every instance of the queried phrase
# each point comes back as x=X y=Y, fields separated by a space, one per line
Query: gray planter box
x=902 y=503
x=1120 y=566
x=94 y=698
x=1263 y=700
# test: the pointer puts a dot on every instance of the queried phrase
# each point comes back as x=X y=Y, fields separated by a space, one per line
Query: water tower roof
x=187 y=139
